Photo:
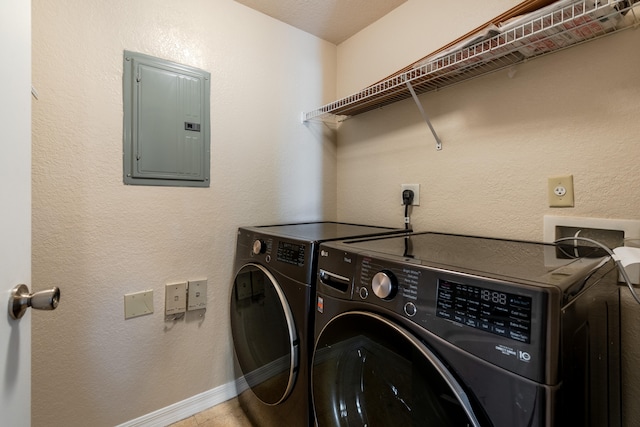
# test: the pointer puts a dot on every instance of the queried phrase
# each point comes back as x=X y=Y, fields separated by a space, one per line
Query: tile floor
x=226 y=414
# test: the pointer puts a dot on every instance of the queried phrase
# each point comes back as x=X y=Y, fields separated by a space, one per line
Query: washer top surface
x=322 y=231
x=508 y=259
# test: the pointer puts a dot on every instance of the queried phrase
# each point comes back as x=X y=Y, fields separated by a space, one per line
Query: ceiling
x=331 y=20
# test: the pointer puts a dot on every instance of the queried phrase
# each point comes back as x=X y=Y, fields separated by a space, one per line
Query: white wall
x=98 y=239
x=407 y=34
x=574 y=112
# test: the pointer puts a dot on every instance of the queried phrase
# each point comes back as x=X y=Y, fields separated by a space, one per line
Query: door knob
x=21 y=299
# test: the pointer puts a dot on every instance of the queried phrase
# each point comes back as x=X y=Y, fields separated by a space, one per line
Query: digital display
x=499 y=313
x=290 y=253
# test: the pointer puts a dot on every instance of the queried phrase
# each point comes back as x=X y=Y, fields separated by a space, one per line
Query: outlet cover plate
x=197 y=295
x=561 y=192
x=416 y=193
x=175 y=301
x=138 y=304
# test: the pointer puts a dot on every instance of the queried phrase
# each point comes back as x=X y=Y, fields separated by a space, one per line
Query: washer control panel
x=497 y=312
x=502 y=322
x=387 y=283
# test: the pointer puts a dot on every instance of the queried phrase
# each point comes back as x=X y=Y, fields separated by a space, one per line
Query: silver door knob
x=21 y=299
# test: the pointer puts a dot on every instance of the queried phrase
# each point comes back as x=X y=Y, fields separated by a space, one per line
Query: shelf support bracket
x=424 y=115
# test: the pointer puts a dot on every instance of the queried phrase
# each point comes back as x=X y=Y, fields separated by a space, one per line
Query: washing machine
x=271 y=313
x=433 y=329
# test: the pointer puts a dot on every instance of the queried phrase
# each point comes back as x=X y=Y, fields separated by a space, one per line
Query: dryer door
x=264 y=334
x=367 y=371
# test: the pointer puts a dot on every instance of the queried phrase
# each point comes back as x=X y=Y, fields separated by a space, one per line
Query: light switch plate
x=138 y=304
x=197 y=295
x=175 y=301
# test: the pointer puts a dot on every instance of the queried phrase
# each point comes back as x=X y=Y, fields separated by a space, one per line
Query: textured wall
x=574 y=112
x=99 y=239
x=407 y=34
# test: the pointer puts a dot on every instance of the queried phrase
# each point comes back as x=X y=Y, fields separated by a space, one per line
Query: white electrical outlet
x=175 y=301
x=197 y=295
x=561 y=191
x=416 y=193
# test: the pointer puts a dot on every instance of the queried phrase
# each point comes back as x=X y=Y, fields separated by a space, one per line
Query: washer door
x=370 y=372
x=264 y=334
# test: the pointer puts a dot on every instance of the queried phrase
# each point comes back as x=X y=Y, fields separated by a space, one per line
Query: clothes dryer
x=272 y=317
x=446 y=330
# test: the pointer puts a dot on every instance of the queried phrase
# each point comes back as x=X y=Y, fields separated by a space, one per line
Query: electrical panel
x=166 y=122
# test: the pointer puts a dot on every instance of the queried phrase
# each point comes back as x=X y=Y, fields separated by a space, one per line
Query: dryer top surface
x=322 y=231
x=541 y=263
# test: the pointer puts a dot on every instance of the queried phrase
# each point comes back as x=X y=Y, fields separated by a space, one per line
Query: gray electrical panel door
x=166 y=123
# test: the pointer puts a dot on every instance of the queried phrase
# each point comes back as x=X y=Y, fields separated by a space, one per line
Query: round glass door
x=370 y=372
x=264 y=335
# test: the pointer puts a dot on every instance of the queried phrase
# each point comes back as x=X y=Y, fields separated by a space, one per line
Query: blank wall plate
x=197 y=295
x=138 y=304
x=175 y=301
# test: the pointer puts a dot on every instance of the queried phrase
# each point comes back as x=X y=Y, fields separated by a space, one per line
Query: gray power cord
x=613 y=256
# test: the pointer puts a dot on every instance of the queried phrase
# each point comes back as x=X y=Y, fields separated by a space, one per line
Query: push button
x=410 y=309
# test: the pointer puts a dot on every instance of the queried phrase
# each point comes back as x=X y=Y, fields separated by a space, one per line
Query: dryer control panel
x=290 y=257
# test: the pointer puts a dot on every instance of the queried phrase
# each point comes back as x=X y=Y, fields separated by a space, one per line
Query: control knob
x=259 y=247
x=384 y=285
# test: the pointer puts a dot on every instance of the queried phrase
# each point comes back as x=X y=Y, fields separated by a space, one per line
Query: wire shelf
x=553 y=29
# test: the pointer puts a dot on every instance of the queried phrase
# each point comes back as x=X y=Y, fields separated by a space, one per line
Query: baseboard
x=188 y=407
